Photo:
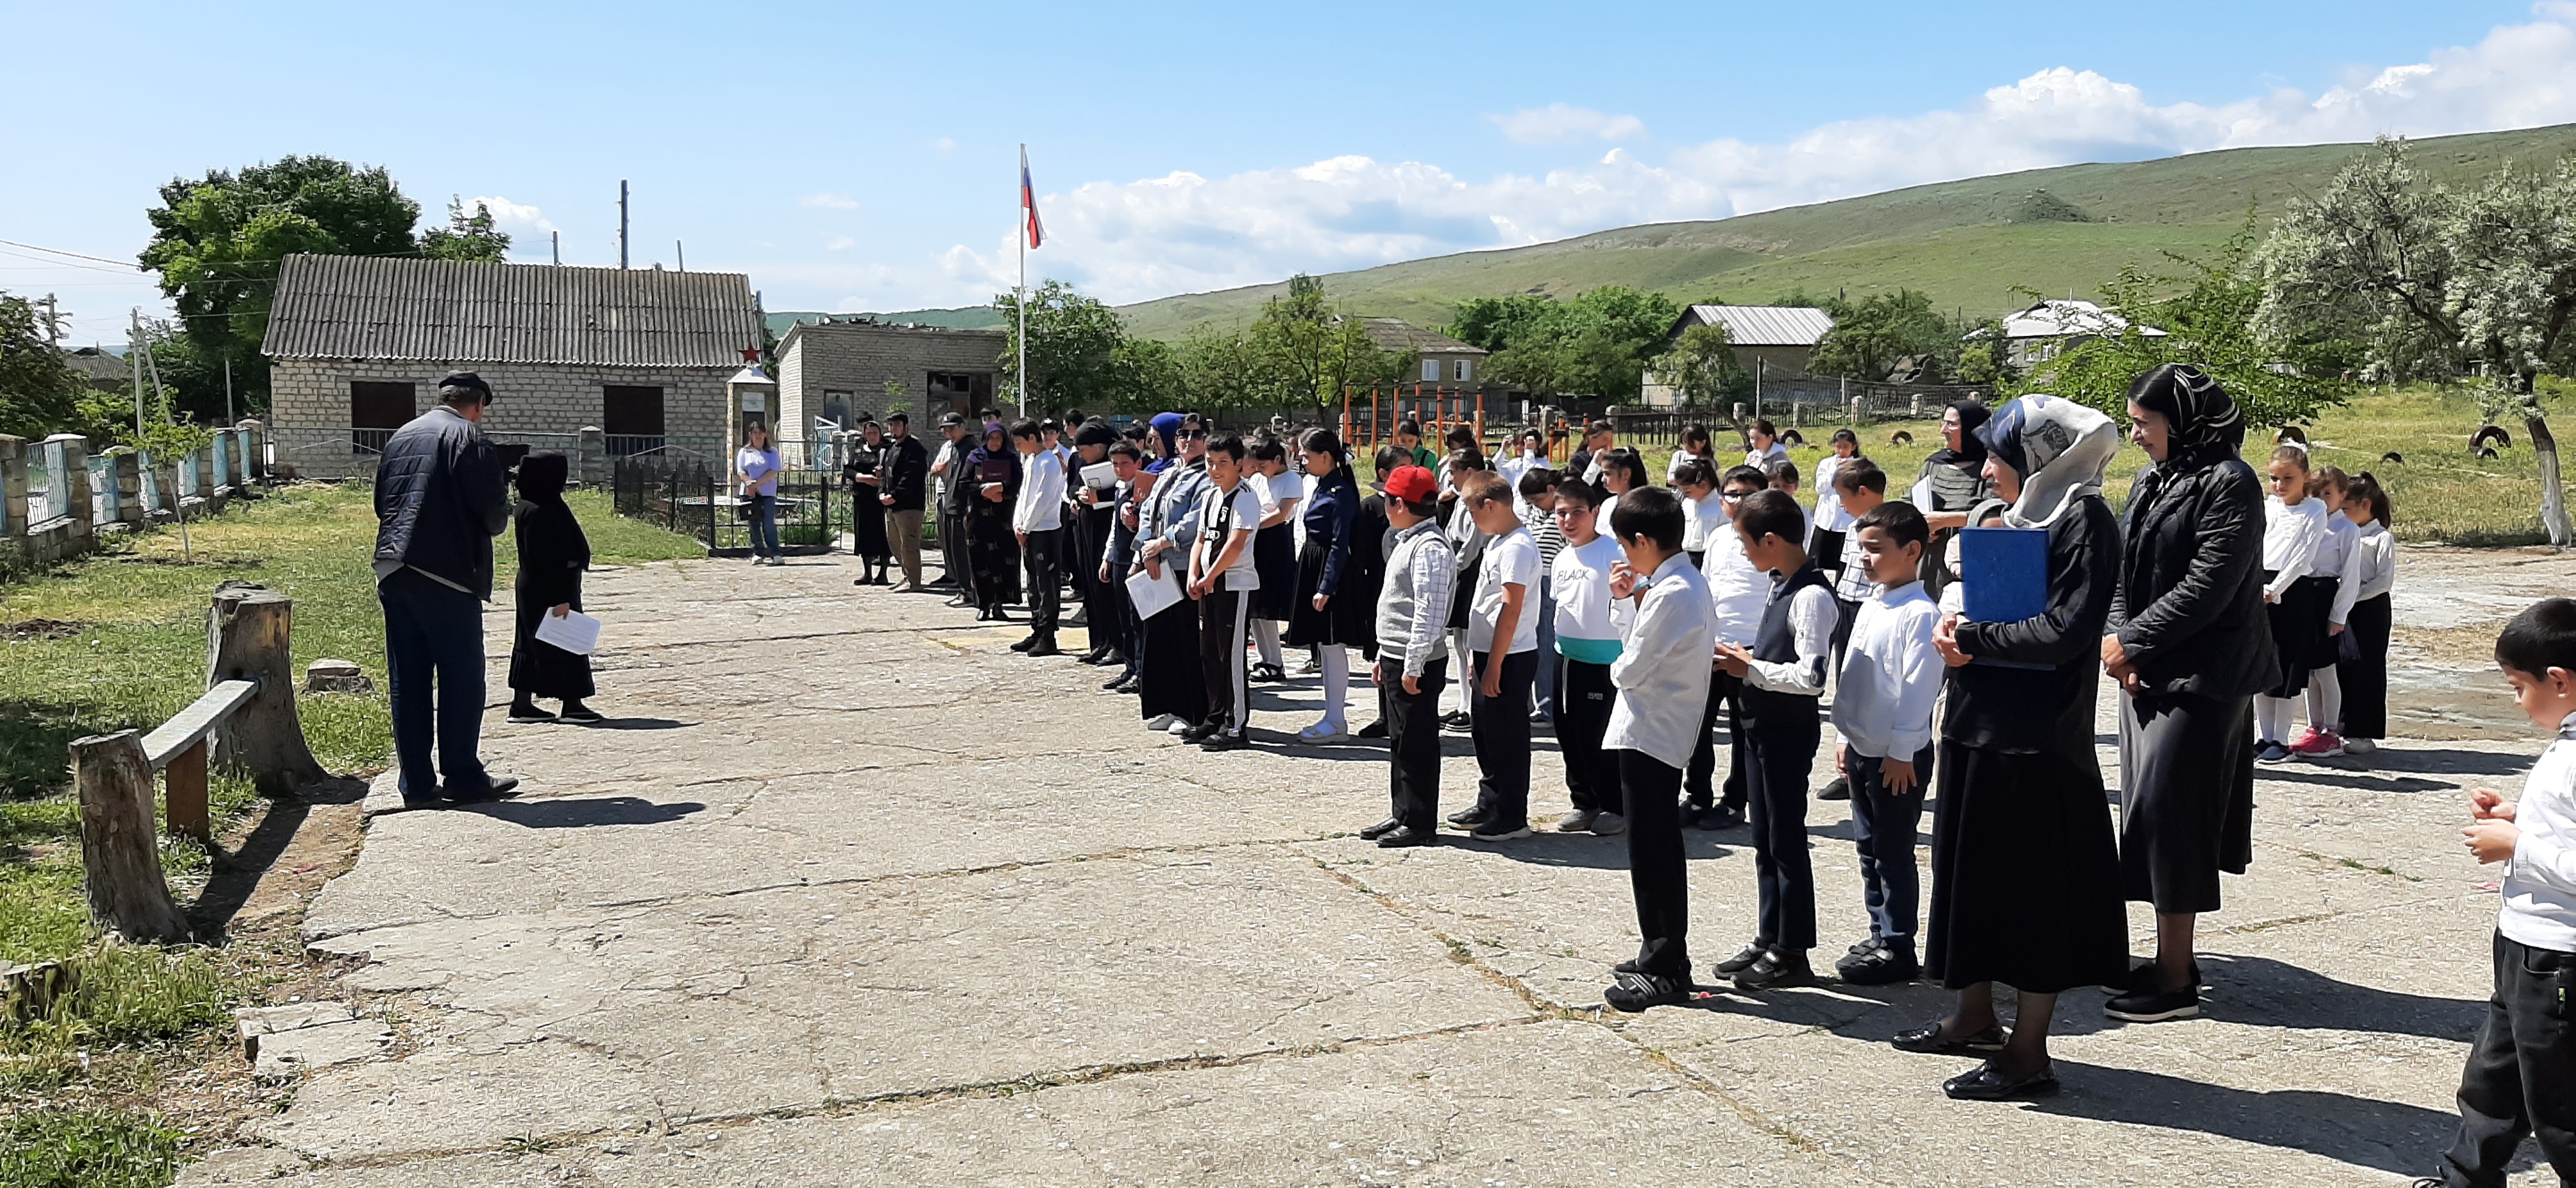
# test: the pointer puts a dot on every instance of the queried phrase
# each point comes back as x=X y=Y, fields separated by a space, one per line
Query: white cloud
x=943 y=144
x=1558 y=123
x=827 y=202
x=512 y=217
x=1184 y=232
x=839 y=243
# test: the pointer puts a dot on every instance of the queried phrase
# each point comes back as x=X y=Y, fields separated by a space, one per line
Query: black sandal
x=1929 y=1041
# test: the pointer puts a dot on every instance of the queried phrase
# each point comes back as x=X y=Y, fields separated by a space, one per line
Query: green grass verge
x=57 y=1148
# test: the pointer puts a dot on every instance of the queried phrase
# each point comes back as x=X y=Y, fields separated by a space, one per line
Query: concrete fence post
x=254 y=446
x=13 y=487
x=70 y=494
x=591 y=456
x=128 y=477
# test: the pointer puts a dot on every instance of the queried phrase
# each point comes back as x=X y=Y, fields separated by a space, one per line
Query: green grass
x=56 y=1148
x=121 y=997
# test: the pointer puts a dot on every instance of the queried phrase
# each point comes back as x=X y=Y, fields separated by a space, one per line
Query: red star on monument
x=751 y=354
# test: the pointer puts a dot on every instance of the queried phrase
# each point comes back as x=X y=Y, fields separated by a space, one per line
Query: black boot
x=524 y=709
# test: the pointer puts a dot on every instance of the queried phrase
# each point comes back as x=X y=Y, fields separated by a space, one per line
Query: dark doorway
x=960 y=391
x=376 y=409
x=631 y=414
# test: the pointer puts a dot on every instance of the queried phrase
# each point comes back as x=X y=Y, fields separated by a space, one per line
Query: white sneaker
x=1160 y=722
x=1179 y=728
x=1328 y=728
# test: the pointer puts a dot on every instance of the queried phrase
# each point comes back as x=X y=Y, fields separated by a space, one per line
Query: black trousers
x=1883 y=829
x=1501 y=727
x=1045 y=559
x=952 y=550
x=1651 y=792
x=1781 y=749
x=1412 y=742
x=1223 y=617
x=1584 y=698
x=2521 y=1076
x=1725 y=693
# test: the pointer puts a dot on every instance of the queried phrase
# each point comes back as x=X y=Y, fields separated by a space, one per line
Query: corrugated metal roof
x=2058 y=319
x=1765 y=325
x=448 y=311
x=1403 y=337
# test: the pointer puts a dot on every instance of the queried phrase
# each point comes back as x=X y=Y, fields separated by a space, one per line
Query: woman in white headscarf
x=2025 y=868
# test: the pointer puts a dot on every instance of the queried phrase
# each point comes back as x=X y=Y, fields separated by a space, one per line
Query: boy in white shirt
x=1861 y=487
x=1662 y=676
x=1890 y=679
x=1502 y=644
x=2521 y=1076
x=1223 y=579
x=1589 y=627
x=1737 y=591
x=1038 y=519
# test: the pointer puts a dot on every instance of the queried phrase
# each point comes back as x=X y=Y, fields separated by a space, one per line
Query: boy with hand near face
x=1890 y=679
x=2521 y=1076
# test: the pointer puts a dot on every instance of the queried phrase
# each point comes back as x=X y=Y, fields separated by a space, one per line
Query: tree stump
x=246 y=640
x=119 y=847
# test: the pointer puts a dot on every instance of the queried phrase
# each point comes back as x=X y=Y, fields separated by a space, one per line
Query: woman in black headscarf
x=2190 y=645
x=992 y=548
x=552 y=555
x=1952 y=482
x=867 y=512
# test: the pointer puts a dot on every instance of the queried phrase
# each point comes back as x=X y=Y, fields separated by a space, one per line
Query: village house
x=2046 y=329
x=1438 y=358
x=357 y=345
x=1769 y=341
x=831 y=371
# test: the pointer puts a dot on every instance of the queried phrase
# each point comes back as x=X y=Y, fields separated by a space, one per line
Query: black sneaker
x=1406 y=835
x=1721 y=817
x=1267 y=673
x=1888 y=965
x=1222 y=741
x=1631 y=992
x=1840 y=789
x=1457 y=720
x=1026 y=644
x=1775 y=970
x=1866 y=946
x=2149 y=1005
x=525 y=715
x=1381 y=829
x=1376 y=729
x=1471 y=816
x=1744 y=960
x=1495 y=831
x=498 y=788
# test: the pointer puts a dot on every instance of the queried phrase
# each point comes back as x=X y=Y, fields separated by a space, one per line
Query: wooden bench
x=178 y=750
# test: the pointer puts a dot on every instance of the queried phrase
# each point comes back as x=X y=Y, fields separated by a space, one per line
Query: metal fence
x=696 y=499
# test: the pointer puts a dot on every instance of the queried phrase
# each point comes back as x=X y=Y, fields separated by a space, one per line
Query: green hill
x=1967 y=243
x=972 y=317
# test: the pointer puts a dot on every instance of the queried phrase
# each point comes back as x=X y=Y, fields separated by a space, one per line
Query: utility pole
x=557 y=237
x=228 y=391
x=621 y=222
x=134 y=357
x=53 y=334
x=683 y=252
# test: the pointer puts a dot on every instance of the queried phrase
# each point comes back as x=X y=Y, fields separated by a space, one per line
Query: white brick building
x=357 y=345
x=835 y=370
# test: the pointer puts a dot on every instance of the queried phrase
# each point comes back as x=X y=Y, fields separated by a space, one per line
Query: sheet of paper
x=1100 y=475
x=1153 y=595
x=574 y=632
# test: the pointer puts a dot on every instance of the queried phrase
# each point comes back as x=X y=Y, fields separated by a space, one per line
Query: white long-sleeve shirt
x=2375 y=561
x=1812 y=615
x=2291 y=533
x=1891 y=675
x=1041 y=504
x=2539 y=885
x=1736 y=590
x=1662 y=670
x=1702 y=520
x=2336 y=557
x=1830 y=514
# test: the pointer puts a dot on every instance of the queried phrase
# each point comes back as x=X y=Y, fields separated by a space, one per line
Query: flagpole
x=1020 y=235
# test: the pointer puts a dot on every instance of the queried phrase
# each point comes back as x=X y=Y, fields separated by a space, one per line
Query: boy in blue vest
x=1784 y=675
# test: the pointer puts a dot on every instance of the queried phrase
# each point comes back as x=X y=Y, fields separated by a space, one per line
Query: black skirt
x=2299 y=632
x=1274 y=560
x=1169 y=672
x=867 y=521
x=2186 y=797
x=1342 y=621
x=540 y=669
x=2025 y=874
x=2363 y=669
x=993 y=555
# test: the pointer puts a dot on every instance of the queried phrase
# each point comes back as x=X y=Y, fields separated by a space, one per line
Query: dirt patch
x=176 y=559
x=32 y=629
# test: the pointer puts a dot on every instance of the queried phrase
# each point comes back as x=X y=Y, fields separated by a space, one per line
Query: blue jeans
x=434 y=634
x=1883 y=826
x=764 y=525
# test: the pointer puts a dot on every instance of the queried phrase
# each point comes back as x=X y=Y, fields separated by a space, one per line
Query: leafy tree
x=216 y=242
x=1985 y=356
x=1079 y=353
x=2430 y=284
x=1702 y=367
x=466 y=237
x=40 y=395
x=2208 y=320
x=1597 y=344
x=1305 y=354
x=1494 y=322
x=1872 y=335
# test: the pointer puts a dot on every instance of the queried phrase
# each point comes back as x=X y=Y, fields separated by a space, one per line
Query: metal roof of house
x=449 y=311
x=1760 y=325
x=1403 y=337
x=2058 y=319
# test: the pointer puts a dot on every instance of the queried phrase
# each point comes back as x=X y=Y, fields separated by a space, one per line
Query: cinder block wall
x=313 y=394
x=860 y=359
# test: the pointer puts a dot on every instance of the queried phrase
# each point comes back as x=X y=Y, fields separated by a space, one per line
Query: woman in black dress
x=2190 y=647
x=1326 y=611
x=992 y=548
x=552 y=555
x=867 y=512
x=2025 y=871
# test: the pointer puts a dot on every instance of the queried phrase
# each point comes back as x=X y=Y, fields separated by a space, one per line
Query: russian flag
x=1029 y=200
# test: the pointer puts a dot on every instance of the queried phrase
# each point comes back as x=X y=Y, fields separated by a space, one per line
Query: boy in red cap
x=1412 y=656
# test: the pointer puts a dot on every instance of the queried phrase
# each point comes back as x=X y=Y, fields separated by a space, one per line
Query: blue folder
x=2005 y=572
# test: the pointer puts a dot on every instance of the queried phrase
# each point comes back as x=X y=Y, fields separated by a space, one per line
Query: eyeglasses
x=1731 y=496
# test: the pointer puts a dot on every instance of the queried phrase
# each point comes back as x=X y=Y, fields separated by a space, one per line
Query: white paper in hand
x=573 y=631
x=1152 y=595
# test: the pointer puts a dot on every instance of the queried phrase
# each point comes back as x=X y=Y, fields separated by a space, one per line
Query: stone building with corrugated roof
x=1437 y=358
x=357 y=345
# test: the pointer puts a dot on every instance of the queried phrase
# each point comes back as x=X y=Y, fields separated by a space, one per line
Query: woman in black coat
x=2190 y=646
x=867 y=510
x=992 y=548
x=2025 y=866
x=552 y=555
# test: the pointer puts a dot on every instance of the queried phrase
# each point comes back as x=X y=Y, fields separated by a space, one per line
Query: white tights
x=1337 y=680
x=1265 y=636
x=2273 y=717
x=2325 y=700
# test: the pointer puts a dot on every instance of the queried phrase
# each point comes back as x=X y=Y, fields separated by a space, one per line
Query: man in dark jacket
x=903 y=485
x=440 y=499
x=955 y=490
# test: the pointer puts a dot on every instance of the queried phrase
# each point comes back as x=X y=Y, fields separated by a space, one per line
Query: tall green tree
x=1079 y=353
x=467 y=237
x=1306 y=353
x=1701 y=367
x=2474 y=287
x=1872 y=335
x=1595 y=345
x=40 y=395
x=217 y=241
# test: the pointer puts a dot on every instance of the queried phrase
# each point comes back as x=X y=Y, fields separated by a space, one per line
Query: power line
x=75 y=255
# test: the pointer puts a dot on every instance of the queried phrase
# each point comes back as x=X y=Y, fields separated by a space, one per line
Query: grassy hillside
x=1964 y=242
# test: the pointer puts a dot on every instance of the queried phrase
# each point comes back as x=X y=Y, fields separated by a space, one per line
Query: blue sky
x=853 y=157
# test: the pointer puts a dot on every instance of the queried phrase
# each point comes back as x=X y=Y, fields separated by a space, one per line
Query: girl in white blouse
x=2294 y=525
x=2362 y=672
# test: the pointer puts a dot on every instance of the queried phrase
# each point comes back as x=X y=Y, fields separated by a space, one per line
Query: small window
x=1463 y=370
x=836 y=407
x=631 y=410
x=378 y=405
x=1431 y=370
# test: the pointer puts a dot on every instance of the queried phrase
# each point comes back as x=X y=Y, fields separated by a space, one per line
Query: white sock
x=2272 y=718
x=1337 y=681
x=1265 y=636
x=1460 y=671
x=2325 y=700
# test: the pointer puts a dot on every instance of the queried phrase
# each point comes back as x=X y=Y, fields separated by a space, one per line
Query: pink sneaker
x=2317 y=744
x=2304 y=738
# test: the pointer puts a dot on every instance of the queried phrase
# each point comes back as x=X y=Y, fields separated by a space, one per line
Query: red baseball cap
x=1412 y=484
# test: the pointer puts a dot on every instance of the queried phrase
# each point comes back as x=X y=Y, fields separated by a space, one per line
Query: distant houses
x=1774 y=339
x=2048 y=328
x=832 y=370
x=1438 y=358
x=357 y=346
